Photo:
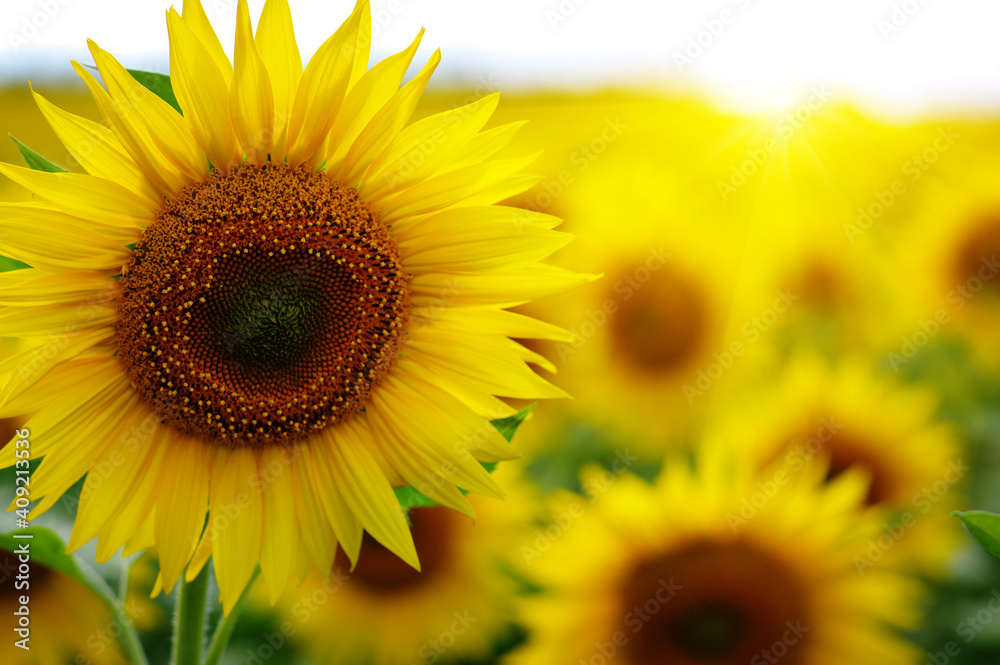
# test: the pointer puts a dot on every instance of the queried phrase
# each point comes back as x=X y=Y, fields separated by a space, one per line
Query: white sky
x=939 y=54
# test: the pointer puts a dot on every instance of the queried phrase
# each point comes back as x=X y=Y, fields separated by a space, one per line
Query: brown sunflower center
x=661 y=321
x=975 y=258
x=713 y=603
x=381 y=571
x=261 y=306
x=845 y=450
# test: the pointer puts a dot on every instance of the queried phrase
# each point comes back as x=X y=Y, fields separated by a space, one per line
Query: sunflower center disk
x=261 y=306
x=714 y=603
x=660 y=328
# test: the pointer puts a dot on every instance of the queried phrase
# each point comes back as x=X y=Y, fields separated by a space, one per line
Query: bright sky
x=902 y=56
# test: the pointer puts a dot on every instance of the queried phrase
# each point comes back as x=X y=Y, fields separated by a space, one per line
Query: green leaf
x=158 y=84
x=46 y=548
x=508 y=426
x=409 y=497
x=984 y=527
x=34 y=160
x=7 y=264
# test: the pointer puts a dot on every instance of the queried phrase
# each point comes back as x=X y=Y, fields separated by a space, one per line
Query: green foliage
x=984 y=527
x=158 y=84
x=35 y=161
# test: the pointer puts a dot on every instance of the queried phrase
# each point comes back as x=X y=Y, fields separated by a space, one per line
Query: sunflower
x=947 y=267
x=459 y=607
x=273 y=308
x=681 y=572
x=648 y=331
x=69 y=624
x=846 y=416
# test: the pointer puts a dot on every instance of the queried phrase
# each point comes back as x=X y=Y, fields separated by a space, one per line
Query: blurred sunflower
x=648 y=332
x=947 y=264
x=312 y=310
x=457 y=608
x=676 y=573
x=845 y=416
x=69 y=624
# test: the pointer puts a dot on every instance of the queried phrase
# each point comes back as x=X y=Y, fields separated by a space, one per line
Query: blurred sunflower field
x=783 y=377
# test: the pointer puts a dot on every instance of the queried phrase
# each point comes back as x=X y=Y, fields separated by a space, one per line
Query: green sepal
x=158 y=84
x=8 y=264
x=35 y=161
x=409 y=497
x=984 y=527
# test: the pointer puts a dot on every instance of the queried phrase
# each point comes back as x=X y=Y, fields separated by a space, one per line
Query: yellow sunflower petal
x=203 y=93
x=181 y=506
x=321 y=90
x=97 y=149
x=84 y=195
x=280 y=524
x=237 y=514
x=34 y=288
x=367 y=492
x=425 y=147
x=275 y=42
x=345 y=524
x=252 y=100
x=54 y=319
x=197 y=22
x=386 y=124
x=317 y=535
x=151 y=130
x=51 y=239
x=364 y=100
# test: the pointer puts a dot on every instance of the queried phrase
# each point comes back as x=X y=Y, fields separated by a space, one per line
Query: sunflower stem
x=220 y=640
x=130 y=642
x=189 y=621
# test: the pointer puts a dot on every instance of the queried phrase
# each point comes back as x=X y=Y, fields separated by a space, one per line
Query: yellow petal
x=317 y=535
x=84 y=195
x=153 y=132
x=367 y=492
x=237 y=520
x=519 y=286
x=275 y=42
x=278 y=546
x=484 y=145
x=34 y=288
x=447 y=189
x=363 y=44
x=425 y=147
x=197 y=22
x=203 y=93
x=54 y=319
x=51 y=239
x=252 y=101
x=321 y=90
x=364 y=100
x=386 y=125
x=181 y=506
x=97 y=150
x=316 y=457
